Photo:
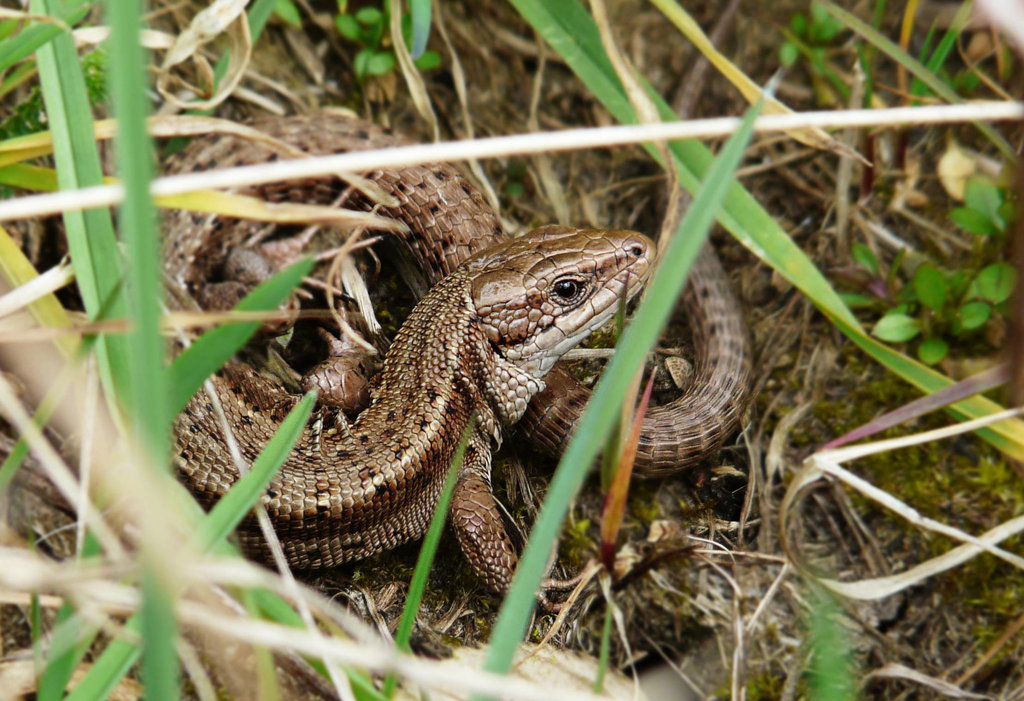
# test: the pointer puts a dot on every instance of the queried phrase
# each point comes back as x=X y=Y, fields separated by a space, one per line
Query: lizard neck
x=442 y=360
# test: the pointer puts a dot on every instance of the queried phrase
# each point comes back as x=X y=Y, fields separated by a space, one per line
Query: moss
x=576 y=545
x=643 y=502
x=962 y=481
x=762 y=686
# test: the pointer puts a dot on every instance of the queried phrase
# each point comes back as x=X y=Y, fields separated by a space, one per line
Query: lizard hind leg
x=477 y=519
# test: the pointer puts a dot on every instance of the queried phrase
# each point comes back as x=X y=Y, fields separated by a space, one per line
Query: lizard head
x=539 y=295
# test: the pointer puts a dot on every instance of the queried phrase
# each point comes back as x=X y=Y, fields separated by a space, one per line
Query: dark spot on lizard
x=364 y=439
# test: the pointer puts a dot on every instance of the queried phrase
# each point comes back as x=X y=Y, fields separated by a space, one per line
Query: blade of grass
x=209 y=201
x=70 y=640
x=233 y=506
x=90 y=233
x=905 y=60
x=419 y=10
x=831 y=668
x=616 y=492
x=147 y=394
x=18 y=270
x=751 y=91
x=159 y=631
x=945 y=47
x=211 y=350
x=601 y=412
x=34 y=36
x=121 y=654
x=136 y=220
x=605 y=649
x=567 y=27
x=428 y=550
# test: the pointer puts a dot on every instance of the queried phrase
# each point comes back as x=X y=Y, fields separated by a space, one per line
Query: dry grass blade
x=827 y=463
x=751 y=91
x=223 y=16
x=564 y=140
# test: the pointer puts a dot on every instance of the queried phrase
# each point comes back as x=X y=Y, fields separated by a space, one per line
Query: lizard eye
x=567 y=290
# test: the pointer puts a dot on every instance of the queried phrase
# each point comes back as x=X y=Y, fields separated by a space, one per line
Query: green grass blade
x=136 y=222
x=147 y=395
x=830 y=672
x=945 y=47
x=27 y=41
x=419 y=10
x=603 y=409
x=109 y=669
x=90 y=233
x=216 y=346
x=428 y=550
x=120 y=655
x=28 y=177
x=69 y=642
x=566 y=26
x=258 y=15
x=934 y=83
x=233 y=506
x=71 y=639
x=159 y=637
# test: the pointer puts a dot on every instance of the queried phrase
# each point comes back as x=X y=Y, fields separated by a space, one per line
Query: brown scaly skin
x=447 y=223
x=479 y=342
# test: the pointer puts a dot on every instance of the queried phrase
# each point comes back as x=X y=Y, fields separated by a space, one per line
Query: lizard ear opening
x=497 y=289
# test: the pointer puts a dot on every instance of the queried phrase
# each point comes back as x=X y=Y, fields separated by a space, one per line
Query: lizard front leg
x=477 y=519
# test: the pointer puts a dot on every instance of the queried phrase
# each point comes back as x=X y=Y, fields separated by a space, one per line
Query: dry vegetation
x=710 y=587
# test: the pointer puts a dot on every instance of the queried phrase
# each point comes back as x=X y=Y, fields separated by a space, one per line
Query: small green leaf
x=370 y=16
x=827 y=30
x=360 y=62
x=995 y=282
x=380 y=63
x=932 y=350
x=856 y=301
x=897 y=328
x=818 y=15
x=982 y=195
x=428 y=61
x=973 y=222
x=348 y=27
x=865 y=258
x=286 y=10
x=798 y=24
x=788 y=54
x=974 y=314
x=930 y=286
x=906 y=294
x=1006 y=213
